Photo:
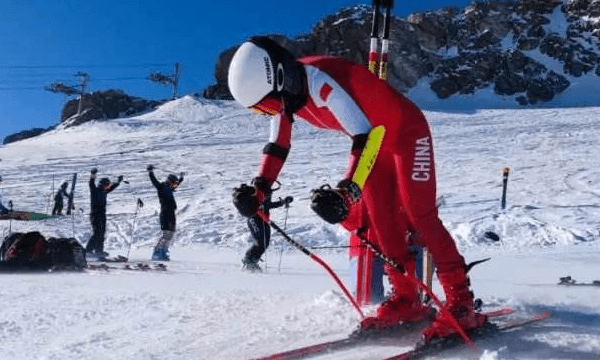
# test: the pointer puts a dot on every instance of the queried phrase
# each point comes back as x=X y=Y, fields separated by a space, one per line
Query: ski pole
x=10 y=205
x=333 y=247
x=374 y=37
x=320 y=262
x=505 y=172
x=70 y=205
x=272 y=205
x=73 y=223
x=139 y=205
x=287 y=202
x=425 y=289
x=51 y=193
x=385 y=42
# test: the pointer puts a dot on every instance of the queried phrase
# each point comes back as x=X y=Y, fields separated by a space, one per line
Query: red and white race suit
x=400 y=191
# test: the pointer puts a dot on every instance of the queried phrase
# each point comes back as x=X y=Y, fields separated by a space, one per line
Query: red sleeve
x=276 y=151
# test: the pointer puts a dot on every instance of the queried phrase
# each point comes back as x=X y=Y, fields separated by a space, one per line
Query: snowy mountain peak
x=531 y=52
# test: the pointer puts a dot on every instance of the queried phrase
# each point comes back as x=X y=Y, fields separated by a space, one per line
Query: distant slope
x=552 y=198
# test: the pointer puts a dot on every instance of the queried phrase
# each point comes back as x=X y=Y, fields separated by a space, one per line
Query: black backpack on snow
x=25 y=250
x=66 y=254
x=31 y=251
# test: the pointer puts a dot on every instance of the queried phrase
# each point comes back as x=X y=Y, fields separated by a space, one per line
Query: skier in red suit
x=389 y=187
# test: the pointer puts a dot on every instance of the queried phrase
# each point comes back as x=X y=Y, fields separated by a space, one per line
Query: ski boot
x=459 y=302
x=402 y=306
x=160 y=254
x=102 y=255
x=251 y=265
x=97 y=255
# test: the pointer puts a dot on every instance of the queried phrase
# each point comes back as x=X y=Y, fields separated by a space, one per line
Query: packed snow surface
x=205 y=307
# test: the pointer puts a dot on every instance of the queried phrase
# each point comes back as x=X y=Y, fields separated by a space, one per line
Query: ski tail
x=490 y=330
x=71 y=194
x=361 y=338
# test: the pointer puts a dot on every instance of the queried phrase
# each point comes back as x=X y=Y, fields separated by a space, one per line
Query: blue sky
x=119 y=42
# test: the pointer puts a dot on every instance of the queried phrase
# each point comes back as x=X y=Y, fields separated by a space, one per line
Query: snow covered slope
x=205 y=308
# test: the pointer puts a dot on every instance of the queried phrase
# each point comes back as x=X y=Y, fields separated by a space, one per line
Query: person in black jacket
x=98 y=195
x=58 y=199
x=167 y=212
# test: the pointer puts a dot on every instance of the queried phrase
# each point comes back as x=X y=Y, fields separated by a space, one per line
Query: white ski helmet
x=261 y=67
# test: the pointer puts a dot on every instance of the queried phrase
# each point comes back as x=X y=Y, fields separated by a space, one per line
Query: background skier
x=58 y=199
x=260 y=231
x=390 y=169
x=98 y=195
x=167 y=212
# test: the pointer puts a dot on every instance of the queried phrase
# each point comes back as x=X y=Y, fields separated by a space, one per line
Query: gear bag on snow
x=31 y=251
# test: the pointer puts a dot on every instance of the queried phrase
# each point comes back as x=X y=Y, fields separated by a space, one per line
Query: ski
x=489 y=330
x=355 y=339
x=25 y=216
x=361 y=338
x=109 y=263
x=118 y=258
x=71 y=194
x=127 y=266
x=569 y=281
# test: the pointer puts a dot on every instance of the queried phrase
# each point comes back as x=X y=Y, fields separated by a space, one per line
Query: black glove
x=248 y=199
x=281 y=202
x=150 y=168
x=94 y=171
x=120 y=178
x=333 y=205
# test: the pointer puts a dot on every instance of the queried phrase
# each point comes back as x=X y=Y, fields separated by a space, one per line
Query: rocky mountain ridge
x=104 y=105
x=530 y=50
x=97 y=105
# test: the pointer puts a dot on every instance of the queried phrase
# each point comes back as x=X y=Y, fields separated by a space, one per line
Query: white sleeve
x=275 y=127
x=338 y=101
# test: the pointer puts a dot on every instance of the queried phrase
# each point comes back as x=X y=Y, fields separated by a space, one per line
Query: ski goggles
x=268 y=106
x=173 y=184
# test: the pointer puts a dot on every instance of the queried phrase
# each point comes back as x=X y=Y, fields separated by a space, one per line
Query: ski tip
x=476 y=262
x=541 y=316
x=499 y=312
